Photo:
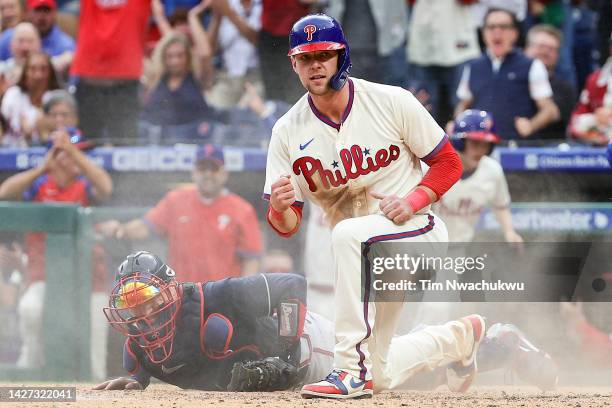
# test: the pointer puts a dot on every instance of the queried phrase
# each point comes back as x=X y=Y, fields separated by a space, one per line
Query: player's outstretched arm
x=135 y=229
x=121 y=383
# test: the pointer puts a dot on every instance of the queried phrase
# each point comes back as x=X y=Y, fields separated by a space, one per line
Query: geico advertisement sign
x=145 y=159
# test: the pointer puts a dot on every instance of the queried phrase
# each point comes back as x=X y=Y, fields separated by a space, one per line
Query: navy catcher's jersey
x=220 y=323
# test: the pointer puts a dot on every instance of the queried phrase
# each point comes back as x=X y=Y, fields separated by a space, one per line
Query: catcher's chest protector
x=204 y=351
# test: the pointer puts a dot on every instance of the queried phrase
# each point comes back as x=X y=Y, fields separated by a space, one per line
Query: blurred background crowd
x=79 y=74
x=161 y=72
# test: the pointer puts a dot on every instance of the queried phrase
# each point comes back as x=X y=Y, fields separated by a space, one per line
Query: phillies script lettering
x=353 y=163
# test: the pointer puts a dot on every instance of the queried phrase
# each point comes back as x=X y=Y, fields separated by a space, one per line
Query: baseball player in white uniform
x=483 y=183
x=355 y=148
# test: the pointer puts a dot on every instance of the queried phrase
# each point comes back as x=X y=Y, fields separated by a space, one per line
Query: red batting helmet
x=319 y=32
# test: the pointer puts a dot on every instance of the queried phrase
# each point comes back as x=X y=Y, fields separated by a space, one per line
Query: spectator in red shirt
x=212 y=234
x=592 y=118
x=108 y=65
x=68 y=176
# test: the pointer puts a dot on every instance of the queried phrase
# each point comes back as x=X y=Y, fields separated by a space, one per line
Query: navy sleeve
x=133 y=367
x=258 y=296
x=285 y=286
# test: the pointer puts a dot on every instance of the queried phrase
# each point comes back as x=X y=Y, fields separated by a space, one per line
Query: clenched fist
x=283 y=194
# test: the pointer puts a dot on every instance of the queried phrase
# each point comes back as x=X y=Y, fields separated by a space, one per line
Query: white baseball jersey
x=384 y=132
x=461 y=206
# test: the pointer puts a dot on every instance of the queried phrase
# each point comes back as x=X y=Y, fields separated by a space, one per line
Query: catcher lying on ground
x=254 y=334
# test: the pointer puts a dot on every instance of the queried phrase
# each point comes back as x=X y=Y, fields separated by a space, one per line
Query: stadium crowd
x=189 y=71
x=215 y=72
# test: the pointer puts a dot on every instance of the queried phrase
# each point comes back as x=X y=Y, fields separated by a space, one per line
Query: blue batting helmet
x=474 y=125
x=319 y=32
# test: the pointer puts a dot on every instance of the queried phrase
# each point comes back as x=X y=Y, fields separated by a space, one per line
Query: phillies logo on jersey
x=464 y=207
x=353 y=163
x=310 y=30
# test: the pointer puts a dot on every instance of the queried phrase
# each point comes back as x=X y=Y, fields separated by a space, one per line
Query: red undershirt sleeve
x=445 y=169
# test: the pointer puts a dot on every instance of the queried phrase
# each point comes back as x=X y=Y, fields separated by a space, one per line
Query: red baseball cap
x=34 y=4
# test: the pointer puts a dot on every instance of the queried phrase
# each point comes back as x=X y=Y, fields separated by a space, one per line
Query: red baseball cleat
x=339 y=385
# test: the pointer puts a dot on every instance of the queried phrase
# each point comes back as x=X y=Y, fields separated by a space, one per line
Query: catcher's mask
x=144 y=307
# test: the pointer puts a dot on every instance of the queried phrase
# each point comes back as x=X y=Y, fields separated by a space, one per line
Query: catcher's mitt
x=269 y=374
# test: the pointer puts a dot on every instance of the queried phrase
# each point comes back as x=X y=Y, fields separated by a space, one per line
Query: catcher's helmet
x=474 y=125
x=144 y=262
x=144 y=303
x=319 y=32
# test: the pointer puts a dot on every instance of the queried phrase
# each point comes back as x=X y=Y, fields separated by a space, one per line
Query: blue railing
x=180 y=158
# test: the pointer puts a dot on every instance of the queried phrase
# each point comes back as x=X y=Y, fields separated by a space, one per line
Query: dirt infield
x=161 y=395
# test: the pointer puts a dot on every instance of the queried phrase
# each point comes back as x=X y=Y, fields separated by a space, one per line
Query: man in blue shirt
x=59 y=45
x=503 y=81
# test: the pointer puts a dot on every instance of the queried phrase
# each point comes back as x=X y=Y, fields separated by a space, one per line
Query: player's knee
x=344 y=232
